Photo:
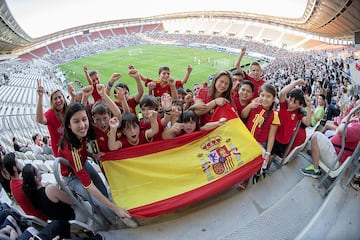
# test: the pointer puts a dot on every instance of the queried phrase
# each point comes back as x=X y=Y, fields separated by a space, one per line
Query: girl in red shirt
x=209 y=98
x=73 y=147
x=263 y=121
x=53 y=117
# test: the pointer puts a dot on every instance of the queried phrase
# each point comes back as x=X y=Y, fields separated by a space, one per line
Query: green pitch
x=148 y=59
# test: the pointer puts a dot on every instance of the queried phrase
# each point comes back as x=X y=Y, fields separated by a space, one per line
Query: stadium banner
x=157 y=178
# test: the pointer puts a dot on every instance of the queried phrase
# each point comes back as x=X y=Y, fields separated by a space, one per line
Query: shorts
x=328 y=154
x=279 y=149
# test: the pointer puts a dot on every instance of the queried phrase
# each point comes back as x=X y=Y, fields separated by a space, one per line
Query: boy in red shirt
x=163 y=85
x=255 y=73
x=289 y=114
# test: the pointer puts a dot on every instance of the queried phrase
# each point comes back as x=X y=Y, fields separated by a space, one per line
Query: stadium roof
x=334 y=19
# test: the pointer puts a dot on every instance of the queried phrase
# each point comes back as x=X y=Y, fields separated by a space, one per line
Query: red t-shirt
x=352 y=138
x=144 y=126
x=23 y=201
x=300 y=138
x=76 y=158
x=160 y=90
x=95 y=94
x=204 y=95
x=238 y=106
x=257 y=84
x=142 y=140
x=131 y=103
x=56 y=129
x=259 y=123
x=288 y=120
x=102 y=139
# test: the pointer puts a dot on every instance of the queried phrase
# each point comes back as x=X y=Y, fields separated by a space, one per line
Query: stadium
x=186 y=195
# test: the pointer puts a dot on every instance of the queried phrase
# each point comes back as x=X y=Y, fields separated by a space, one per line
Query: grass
x=148 y=63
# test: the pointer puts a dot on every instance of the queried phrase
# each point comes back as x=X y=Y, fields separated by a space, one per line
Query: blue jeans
x=74 y=183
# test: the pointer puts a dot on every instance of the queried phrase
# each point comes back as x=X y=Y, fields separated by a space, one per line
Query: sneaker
x=310 y=171
x=129 y=222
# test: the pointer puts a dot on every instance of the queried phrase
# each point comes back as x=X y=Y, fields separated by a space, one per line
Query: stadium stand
x=18 y=94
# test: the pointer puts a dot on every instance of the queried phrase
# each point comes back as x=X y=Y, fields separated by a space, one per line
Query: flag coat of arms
x=157 y=178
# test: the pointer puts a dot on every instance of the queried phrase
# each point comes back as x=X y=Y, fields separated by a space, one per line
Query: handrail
x=292 y=140
x=332 y=168
x=62 y=185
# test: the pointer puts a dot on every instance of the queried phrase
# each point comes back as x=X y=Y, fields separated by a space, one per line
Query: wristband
x=110 y=84
x=267 y=153
x=167 y=111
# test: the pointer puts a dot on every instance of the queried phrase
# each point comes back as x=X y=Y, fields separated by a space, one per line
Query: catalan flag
x=156 y=178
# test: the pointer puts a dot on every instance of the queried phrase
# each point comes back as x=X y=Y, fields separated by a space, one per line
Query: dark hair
x=34 y=137
x=121 y=85
x=100 y=107
x=272 y=90
x=45 y=139
x=148 y=101
x=227 y=93
x=69 y=136
x=237 y=72
x=180 y=91
x=93 y=73
x=298 y=95
x=129 y=119
x=255 y=64
x=189 y=115
x=29 y=185
x=9 y=163
x=247 y=82
x=164 y=68
x=268 y=88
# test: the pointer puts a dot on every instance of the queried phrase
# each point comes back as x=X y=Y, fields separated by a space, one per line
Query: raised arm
x=288 y=88
x=136 y=75
x=87 y=76
x=40 y=118
x=187 y=74
x=173 y=88
x=110 y=103
x=113 y=143
x=114 y=77
x=121 y=98
x=238 y=61
x=166 y=105
x=154 y=125
x=86 y=92
x=309 y=112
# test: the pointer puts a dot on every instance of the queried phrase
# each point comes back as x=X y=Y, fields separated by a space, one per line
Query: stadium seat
x=294 y=152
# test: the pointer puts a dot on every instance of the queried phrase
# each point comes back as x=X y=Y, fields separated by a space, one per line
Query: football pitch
x=148 y=59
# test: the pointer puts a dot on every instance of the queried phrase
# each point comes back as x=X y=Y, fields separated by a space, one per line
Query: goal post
x=135 y=51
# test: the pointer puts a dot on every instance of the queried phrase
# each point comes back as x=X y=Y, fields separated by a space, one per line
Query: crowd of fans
x=294 y=86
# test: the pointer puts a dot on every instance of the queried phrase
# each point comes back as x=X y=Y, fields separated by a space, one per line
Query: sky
x=42 y=17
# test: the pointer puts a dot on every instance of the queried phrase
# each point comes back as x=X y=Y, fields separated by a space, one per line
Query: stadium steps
x=262 y=211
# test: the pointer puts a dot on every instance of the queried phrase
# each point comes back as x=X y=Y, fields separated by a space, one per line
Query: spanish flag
x=156 y=178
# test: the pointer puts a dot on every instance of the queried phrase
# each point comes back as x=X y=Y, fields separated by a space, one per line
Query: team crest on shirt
x=218 y=157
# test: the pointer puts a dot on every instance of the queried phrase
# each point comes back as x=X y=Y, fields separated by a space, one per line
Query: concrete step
x=224 y=214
